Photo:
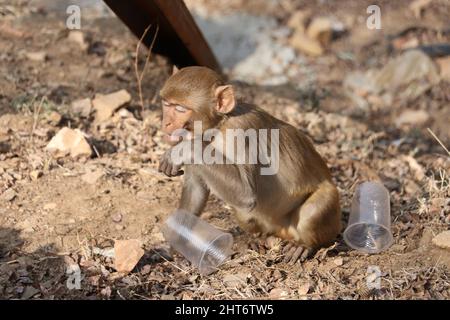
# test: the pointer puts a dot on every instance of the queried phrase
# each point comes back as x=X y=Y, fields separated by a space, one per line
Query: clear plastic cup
x=199 y=242
x=369 y=225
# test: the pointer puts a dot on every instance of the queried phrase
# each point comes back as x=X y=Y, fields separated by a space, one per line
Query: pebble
x=117 y=217
x=69 y=141
x=36 y=56
x=442 y=240
x=106 y=105
x=35 y=174
x=9 y=195
x=127 y=254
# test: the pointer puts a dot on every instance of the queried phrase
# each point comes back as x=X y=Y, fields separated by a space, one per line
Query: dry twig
x=439 y=141
x=140 y=76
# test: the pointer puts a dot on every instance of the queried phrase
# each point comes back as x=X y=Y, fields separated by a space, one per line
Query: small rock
x=187 y=296
x=29 y=292
x=106 y=105
x=17 y=176
x=392 y=184
x=78 y=38
x=35 y=174
x=412 y=188
x=405 y=43
x=68 y=260
x=412 y=117
x=303 y=43
x=117 y=217
x=338 y=261
x=119 y=227
x=94 y=280
x=427 y=235
x=37 y=56
x=442 y=240
x=444 y=68
x=4 y=147
x=447 y=219
x=403 y=78
x=320 y=29
x=286 y=55
x=398 y=248
x=106 y=292
x=278 y=294
x=82 y=107
x=54 y=118
x=50 y=206
x=277 y=275
x=317 y=129
x=127 y=253
x=304 y=289
x=359 y=83
x=438 y=202
x=115 y=58
x=8 y=195
x=273 y=243
x=407 y=76
x=93 y=176
x=124 y=113
x=98 y=48
x=19 y=290
x=417 y=6
x=416 y=168
x=69 y=141
x=298 y=19
x=146 y=269
x=107 y=252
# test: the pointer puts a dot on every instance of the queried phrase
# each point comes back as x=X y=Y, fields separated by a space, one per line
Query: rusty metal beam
x=179 y=37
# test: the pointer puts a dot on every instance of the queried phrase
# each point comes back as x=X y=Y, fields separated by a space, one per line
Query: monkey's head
x=194 y=94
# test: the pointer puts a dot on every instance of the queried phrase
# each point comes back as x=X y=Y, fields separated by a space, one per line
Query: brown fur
x=300 y=202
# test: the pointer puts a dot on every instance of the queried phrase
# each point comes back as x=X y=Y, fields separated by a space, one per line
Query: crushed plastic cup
x=369 y=225
x=203 y=245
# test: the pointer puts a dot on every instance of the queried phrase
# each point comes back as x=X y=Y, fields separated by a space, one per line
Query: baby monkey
x=297 y=201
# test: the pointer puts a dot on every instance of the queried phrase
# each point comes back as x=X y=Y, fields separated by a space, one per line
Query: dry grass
x=438 y=140
x=140 y=75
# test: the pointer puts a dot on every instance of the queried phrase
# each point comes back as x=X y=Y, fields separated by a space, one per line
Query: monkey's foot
x=293 y=253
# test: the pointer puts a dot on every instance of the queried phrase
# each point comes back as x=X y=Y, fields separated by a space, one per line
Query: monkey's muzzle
x=177 y=136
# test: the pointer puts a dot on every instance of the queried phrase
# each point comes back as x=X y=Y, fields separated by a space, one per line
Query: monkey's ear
x=175 y=69
x=225 y=99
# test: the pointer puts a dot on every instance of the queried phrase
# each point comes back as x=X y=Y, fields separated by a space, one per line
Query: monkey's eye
x=180 y=108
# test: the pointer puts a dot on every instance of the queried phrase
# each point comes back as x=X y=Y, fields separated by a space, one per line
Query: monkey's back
x=301 y=169
x=298 y=157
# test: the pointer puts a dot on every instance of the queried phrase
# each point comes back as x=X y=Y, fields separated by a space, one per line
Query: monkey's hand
x=168 y=166
x=181 y=154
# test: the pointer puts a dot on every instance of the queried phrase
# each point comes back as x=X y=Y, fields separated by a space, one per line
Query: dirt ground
x=52 y=215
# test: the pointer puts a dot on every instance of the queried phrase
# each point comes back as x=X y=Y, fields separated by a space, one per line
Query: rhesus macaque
x=299 y=202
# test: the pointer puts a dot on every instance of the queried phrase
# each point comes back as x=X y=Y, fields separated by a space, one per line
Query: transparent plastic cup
x=369 y=225
x=199 y=242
